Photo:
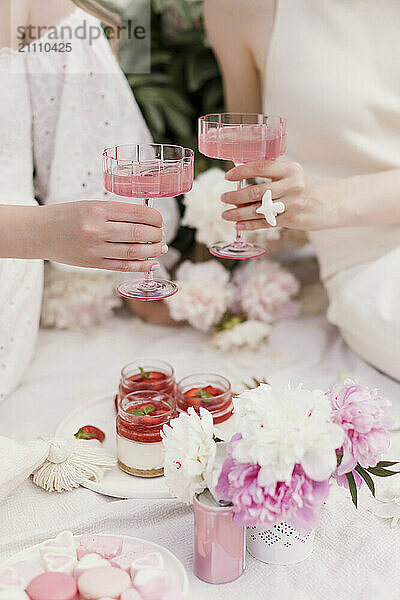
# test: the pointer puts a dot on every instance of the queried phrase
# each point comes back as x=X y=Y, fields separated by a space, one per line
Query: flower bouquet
x=290 y=445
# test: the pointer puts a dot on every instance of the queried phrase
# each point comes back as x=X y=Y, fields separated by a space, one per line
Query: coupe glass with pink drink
x=148 y=171
x=241 y=138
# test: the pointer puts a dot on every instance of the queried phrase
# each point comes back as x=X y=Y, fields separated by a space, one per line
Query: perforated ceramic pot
x=282 y=544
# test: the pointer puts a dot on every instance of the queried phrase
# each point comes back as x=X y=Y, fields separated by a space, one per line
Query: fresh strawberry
x=90 y=432
x=213 y=391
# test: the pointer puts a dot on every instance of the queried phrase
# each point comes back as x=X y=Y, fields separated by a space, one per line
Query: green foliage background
x=184 y=82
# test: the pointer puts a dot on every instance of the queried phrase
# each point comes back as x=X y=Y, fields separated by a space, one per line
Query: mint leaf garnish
x=145 y=374
x=143 y=412
x=204 y=395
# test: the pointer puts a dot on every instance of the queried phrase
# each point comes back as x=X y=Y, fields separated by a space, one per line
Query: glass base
x=236 y=250
x=136 y=290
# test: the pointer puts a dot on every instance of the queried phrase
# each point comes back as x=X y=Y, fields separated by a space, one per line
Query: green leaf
x=145 y=374
x=155 y=118
x=352 y=487
x=387 y=463
x=204 y=395
x=367 y=478
x=142 y=413
x=200 y=69
x=381 y=472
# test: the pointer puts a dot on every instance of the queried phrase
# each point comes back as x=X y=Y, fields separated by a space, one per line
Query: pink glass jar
x=146 y=374
x=141 y=417
x=219 y=543
x=209 y=391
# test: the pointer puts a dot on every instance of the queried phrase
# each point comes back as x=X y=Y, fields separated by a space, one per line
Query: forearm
x=22 y=231
x=366 y=200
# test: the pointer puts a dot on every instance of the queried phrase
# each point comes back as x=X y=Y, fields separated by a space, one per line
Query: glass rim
x=156 y=395
x=221 y=377
x=187 y=153
x=148 y=361
x=207 y=118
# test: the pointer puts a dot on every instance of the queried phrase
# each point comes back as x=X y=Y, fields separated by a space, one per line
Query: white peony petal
x=319 y=464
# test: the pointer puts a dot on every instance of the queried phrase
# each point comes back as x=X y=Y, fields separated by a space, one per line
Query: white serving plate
x=173 y=565
x=116 y=483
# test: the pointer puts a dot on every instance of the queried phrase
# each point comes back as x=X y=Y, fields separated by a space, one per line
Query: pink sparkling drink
x=148 y=171
x=241 y=138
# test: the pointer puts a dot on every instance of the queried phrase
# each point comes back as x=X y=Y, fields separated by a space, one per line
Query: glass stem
x=148 y=281
x=239 y=234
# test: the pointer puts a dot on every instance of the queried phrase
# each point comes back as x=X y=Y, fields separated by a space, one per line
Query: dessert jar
x=209 y=391
x=146 y=374
x=141 y=417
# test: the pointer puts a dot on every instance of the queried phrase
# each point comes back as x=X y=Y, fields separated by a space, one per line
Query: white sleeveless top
x=333 y=71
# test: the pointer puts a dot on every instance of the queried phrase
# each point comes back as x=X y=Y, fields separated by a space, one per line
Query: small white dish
x=116 y=483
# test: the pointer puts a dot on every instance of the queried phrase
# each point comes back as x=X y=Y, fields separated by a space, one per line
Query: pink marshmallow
x=106 y=546
x=152 y=584
x=52 y=586
x=124 y=561
x=153 y=560
x=59 y=563
x=90 y=561
x=103 y=582
x=62 y=544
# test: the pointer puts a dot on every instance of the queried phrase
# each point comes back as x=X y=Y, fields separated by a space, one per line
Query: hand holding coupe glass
x=150 y=171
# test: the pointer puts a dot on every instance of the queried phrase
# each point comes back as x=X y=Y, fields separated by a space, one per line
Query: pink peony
x=264 y=291
x=298 y=502
x=360 y=412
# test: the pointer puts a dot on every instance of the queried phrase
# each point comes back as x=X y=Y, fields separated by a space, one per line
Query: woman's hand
x=103 y=234
x=307 y=206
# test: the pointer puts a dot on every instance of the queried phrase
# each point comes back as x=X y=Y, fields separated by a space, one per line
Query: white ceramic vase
x=281 y=544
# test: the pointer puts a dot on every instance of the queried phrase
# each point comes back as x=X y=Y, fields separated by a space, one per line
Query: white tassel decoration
x=71 y=462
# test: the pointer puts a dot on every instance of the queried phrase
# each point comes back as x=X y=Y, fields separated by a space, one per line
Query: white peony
x=249 y=334
x=77 y=298
x=204 y=294
x=281 y=427
x=204 y=208
x=190 y=452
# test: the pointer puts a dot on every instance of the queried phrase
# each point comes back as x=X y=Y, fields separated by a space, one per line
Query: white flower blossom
x=190 y=452
x=248 y=334
x=281 y=427
x=204 y=294
x=204 y=208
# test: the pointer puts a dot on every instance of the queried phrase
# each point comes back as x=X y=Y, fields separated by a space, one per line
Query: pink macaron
x=52 y=586
x=103 y=582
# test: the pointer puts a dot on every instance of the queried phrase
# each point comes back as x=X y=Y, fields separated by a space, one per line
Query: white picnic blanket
x=356 y=555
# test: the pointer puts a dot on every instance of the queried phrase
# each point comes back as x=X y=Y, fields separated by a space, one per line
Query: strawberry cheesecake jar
x=141 y=418
x=146 y=374
x=209 y=391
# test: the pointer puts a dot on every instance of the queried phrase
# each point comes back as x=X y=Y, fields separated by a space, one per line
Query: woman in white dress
x=58 y=111
x=330 y=68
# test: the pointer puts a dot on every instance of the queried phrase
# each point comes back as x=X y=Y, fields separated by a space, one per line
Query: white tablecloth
x=356 y=554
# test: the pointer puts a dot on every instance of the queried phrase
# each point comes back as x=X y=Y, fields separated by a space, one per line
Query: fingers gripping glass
x=241 y=138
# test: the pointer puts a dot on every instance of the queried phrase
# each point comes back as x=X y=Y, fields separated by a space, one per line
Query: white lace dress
x=81 y=104
x=58 y=111
x=21 y=281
